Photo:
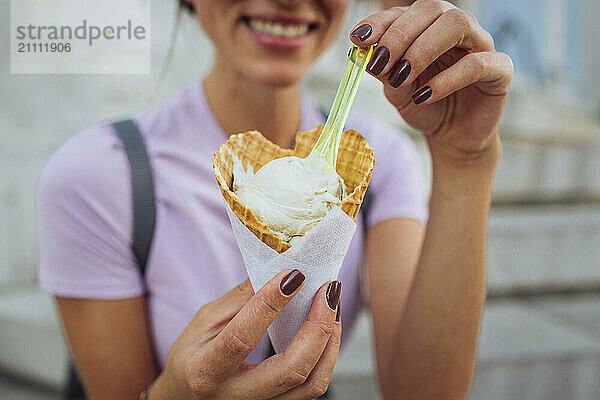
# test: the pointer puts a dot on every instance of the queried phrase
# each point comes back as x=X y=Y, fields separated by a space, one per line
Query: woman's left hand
x=441 y=71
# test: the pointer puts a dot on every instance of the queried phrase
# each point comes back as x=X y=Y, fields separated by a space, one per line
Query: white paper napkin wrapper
x=318 y=255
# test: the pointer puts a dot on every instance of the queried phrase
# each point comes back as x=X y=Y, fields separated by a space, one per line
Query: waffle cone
x=355 y=164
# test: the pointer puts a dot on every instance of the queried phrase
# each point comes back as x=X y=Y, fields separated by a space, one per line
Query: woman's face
x=271 y=42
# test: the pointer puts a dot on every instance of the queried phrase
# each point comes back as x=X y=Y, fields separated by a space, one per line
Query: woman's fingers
x=293 y=368
x=491 y=70
x=398 y=36
x=318 y=380
x=238 y=338
x=455 y=28
x=219 y=312
x=418 y=36
x=369 y=30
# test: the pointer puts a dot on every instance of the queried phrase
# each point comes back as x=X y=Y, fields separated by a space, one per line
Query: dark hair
x=186 y=5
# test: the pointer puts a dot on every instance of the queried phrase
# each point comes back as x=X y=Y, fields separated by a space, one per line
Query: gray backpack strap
x=142 y=190
x=144 y=217
x=364 y=208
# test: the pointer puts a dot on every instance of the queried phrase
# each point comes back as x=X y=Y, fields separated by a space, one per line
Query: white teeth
x=291 y=31
x=278 y=29
x=257 y=24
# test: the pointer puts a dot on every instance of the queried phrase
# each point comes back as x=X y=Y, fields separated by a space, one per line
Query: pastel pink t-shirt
x=85 y=214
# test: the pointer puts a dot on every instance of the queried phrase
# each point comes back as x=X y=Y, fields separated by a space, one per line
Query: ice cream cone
x=355 y=164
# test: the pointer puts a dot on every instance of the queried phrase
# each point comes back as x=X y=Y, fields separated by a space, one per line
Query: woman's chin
x=278 y=77
x=280 y=82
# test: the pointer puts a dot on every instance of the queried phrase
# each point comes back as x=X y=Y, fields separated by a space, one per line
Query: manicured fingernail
x=422 y=95
x=399 y=73
x=337 y=314
x=333 y=294
x=379 y=60
x=362 y=32
x=291 y=282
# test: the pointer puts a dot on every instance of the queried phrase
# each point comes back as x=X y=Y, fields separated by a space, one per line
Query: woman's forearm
x=435 y=348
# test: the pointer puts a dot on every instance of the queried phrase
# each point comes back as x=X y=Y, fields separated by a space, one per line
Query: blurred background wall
x=541 y=330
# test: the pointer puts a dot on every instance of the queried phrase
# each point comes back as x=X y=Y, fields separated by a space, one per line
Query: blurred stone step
x=539 y=350
x=547 y=172
x=550 y=151
x=543 y=246
x=581 y=310
x=534 y=350
x=528 y=331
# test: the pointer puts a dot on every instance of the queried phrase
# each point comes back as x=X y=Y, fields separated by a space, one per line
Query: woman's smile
x=270 y=42
x=278 y=32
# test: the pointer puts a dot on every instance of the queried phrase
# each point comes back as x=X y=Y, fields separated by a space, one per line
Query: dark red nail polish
x=333 y=294
x=422 y=95
x=291 y=282
x=337 y=314
x=362 y=32
x=399 y=73
x=379 y=60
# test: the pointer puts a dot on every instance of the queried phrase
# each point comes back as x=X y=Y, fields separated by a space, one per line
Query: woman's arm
x=441 y=71
x=393 y=248
x=110 y=344
x=426 y=335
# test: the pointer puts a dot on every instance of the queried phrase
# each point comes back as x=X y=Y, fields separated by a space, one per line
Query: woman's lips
x=279 y=33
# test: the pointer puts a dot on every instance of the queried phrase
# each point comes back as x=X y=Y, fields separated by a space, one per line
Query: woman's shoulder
x=94 y=156
x=90 y=166
x=84 y=219
x=92 y=146
x=380 y=135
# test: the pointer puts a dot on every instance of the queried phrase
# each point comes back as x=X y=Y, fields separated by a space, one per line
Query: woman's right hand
x=207 y=360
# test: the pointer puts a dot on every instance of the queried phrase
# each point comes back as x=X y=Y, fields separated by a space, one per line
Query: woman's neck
x=240 y=105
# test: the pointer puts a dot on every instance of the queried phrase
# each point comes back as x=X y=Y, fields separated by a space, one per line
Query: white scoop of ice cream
x=289 y=194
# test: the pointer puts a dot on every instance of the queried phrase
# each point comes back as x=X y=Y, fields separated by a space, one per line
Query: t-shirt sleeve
x=398 y=187
x=84 y=220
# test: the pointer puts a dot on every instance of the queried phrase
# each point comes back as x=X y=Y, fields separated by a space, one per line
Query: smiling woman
x=189 y=313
